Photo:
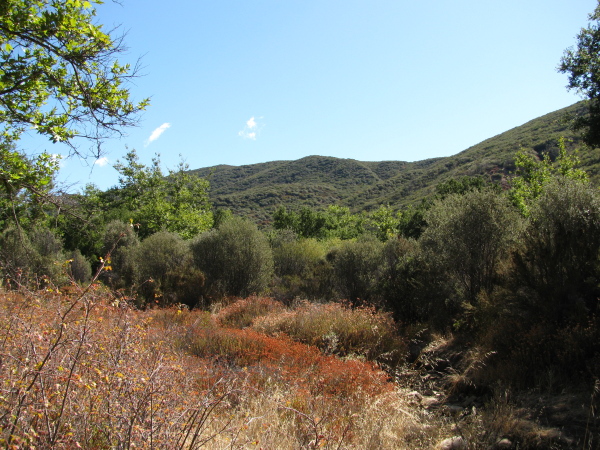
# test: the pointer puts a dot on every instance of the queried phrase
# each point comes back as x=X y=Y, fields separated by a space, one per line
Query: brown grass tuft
x=338 y=329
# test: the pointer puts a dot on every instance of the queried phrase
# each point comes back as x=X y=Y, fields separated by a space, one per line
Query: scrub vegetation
x=448 y=303
x=471 y=317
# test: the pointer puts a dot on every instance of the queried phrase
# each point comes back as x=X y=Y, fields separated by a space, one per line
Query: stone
x=453 y=443
x=504 y=443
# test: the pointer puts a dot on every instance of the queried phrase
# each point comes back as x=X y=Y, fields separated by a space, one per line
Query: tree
x=236 y=258
x=385 y=222
x=341 y=223
x=59 y=73
x=532 y=175
x=307 y=223
x=462 y=185
x=23 y=182
x=17 y=171
x=334 y=222
x=177 y=202
x=59 y=76
x=583 y=66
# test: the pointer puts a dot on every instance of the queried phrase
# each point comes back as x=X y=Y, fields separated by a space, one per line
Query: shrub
x=16 y=251
x=559 y=259
x=406 y=284
x=298 y=257
x=46 y=243
x=357 y=266
x=80 y=268
x=51 y=259
x=339 y=329
x=302 y=270
x=39 y=253
x=120 y=241
x=163 y=263
x=467 y=238
x=236 y=259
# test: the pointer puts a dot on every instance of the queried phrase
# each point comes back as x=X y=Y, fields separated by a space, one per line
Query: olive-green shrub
x=357 y=268
x=559 y=262
x=468 y=237
x=164 y=270
x=235 y=258
x=79 y=267
x=301 y=269
x=37 y=253
x=119 y=243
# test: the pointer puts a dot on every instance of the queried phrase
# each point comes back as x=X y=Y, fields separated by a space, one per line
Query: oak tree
x=59 y=76
x=582 y=64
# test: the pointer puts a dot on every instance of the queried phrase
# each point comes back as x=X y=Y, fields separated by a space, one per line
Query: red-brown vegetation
x=81 y=370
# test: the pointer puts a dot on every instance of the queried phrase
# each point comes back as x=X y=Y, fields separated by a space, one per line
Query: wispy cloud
x=250 y=131
x=101 y=161
x=157 y=133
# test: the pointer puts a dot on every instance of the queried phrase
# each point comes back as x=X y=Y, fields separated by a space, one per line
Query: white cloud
x=250 y=131
x=157 y=132
x=101 y=161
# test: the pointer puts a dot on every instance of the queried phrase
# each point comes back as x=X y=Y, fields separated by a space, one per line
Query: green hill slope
x=256 y=190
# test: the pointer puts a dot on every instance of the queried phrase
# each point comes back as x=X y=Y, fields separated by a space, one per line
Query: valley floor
x=82 y=369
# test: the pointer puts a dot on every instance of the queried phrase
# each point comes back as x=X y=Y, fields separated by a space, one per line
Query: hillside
x=256 y=190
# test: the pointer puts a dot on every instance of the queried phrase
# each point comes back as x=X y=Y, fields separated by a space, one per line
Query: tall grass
x=81 y=371
x=338 y=329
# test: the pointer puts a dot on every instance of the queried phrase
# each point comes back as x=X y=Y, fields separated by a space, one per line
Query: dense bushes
x=357 y=267
x=120 y=242
x=80 y=269
x=16 y=251
x=37 y=253
x=406 y=287
x=559 y=259
x=301 y=268
x=164 y=272
x=236 y=259
x=495 y=266
x=467 y=238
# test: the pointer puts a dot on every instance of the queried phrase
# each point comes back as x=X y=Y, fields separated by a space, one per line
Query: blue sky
x=238 y=83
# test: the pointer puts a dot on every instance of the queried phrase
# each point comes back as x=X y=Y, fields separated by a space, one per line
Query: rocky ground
x=442 y=380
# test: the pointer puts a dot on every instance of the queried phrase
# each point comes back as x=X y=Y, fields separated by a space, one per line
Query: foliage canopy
x=59 y=76
x=59 y=73
x=177 y=202
x=582 y=63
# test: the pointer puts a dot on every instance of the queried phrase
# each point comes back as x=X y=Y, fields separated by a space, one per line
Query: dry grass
x=241 y=313
x=78 y=371
x=338 y=329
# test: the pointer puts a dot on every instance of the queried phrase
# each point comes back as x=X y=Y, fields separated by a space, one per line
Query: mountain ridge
x=255 y=190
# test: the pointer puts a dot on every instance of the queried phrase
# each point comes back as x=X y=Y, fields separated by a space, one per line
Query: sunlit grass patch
x=338 y=329
x=241 y=313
